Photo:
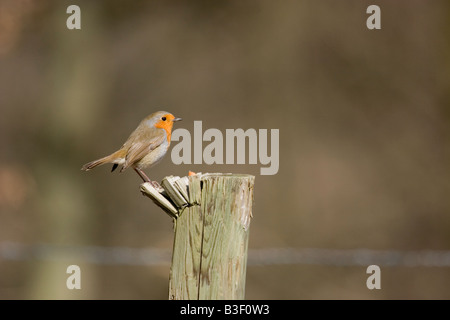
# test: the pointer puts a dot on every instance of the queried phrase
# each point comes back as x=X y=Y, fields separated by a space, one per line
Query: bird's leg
x=145 y=178
x=142 y=175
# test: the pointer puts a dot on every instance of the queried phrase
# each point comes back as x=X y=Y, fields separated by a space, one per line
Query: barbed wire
x=13 y=251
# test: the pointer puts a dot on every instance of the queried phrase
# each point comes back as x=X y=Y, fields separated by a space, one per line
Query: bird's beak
x=177 y=119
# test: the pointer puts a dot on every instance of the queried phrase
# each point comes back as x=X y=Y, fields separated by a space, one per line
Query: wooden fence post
x=209 y=258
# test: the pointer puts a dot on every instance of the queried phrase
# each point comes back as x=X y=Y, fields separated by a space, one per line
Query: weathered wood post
x=209 y=259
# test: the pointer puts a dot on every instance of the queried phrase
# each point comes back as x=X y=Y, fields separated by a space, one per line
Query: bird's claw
x=155 y=184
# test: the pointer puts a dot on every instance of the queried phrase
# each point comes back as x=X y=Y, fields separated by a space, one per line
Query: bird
x=145 y=146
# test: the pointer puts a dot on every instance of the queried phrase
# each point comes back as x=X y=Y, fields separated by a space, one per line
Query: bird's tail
x=115 y=158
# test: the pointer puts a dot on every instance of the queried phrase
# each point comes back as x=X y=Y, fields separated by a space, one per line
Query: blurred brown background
x=364 y=138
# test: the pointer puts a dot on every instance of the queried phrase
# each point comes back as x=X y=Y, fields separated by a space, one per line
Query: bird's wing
x=138 y=150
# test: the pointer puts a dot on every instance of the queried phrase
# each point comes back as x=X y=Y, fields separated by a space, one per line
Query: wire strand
x=13 y=251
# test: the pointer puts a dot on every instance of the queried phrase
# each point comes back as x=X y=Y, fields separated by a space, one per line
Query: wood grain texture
x=183 y=280
x=210 y=249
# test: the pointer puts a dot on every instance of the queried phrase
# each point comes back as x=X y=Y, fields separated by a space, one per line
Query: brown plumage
x=146 y=145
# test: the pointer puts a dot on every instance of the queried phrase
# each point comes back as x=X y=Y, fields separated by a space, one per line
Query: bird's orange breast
x=166 y=125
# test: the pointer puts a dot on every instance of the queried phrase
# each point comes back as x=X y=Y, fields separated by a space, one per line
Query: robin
x=145 y=147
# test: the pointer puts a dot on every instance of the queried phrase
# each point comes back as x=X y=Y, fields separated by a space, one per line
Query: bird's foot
x=147 y=179
x=155 y=184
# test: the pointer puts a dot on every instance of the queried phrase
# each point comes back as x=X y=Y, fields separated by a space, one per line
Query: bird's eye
x=163 y=118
